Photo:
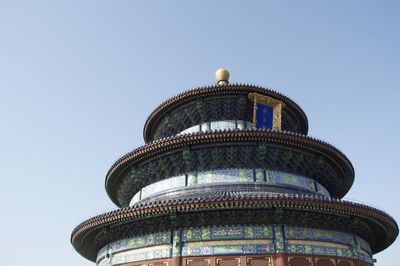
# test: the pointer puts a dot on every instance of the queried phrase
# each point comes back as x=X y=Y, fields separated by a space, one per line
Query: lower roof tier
x=240 y=207
x=251 y=149
x=234 y=240
x=302 y=258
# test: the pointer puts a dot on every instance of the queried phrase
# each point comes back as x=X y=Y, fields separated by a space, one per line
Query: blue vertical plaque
x=267 y=112
x=264 y=116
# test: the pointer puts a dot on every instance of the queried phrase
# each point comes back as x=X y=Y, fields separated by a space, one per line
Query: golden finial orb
x=222 y=76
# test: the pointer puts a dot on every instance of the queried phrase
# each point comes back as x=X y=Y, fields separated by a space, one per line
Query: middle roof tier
x=252 y=149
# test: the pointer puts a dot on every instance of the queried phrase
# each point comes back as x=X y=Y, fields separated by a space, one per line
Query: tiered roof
x=169 y=152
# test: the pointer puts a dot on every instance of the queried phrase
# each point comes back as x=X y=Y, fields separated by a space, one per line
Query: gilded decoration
x=276 y=105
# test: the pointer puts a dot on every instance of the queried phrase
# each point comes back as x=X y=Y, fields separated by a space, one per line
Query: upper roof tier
x=217 y=103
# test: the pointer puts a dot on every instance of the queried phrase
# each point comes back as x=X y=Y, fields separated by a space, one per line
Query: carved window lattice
x=300 y=261
x=259 y=261
x=198 y=262
x=228 y=262
x=160 y=263
x=325 y=262
x=345 y=263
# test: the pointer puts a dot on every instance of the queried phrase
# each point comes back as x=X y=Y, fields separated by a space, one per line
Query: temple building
x=229 y=177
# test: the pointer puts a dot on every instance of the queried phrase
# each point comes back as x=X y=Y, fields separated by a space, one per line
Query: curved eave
x=231 y=89
x=382 y=225
x=287 y=139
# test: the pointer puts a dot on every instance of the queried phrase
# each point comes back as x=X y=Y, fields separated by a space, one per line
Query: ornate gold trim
x=271 y=102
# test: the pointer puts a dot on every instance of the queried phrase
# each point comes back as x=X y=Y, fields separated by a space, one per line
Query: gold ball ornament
x=222 y=76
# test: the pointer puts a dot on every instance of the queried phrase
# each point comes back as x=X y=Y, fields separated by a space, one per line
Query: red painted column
x=280 y=260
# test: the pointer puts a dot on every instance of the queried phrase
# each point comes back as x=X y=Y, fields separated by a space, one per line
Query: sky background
x=79 y=78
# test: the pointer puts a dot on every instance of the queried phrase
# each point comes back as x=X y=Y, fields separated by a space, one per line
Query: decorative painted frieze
x=156 y=252
x=305 y=233
x=158 y=238
x=235 y=239
x=227 y=248
x=227 y=232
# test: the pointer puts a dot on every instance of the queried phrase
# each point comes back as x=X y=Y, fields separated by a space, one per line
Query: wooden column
x=280 y=260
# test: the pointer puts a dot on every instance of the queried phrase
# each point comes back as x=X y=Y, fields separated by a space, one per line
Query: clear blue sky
x=79 y=78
